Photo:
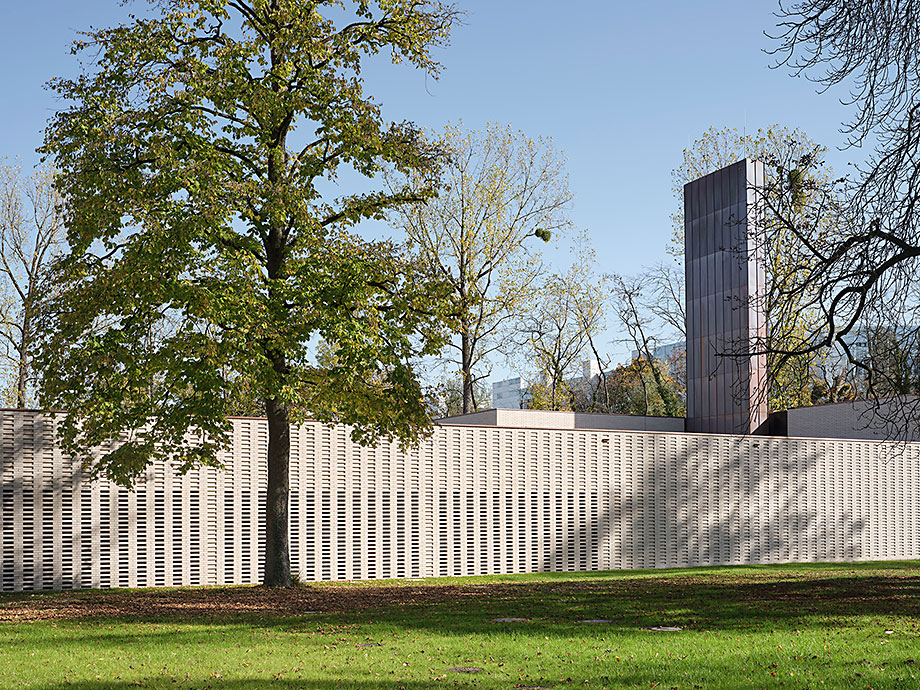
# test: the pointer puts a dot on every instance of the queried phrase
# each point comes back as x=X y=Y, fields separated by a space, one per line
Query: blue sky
x=621 y=88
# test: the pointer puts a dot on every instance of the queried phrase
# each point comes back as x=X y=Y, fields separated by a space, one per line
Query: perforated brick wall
x=469 y=500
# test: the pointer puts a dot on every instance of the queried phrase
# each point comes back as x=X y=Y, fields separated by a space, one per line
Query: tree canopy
x=796 y=173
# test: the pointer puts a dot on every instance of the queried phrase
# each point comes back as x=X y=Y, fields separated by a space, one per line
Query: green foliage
x=206 y=265
x=551 y=394
x=798 y=381
x=795 y=180
x=632 y=389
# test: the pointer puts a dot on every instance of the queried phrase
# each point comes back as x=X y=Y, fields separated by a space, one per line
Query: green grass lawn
x=803 y=626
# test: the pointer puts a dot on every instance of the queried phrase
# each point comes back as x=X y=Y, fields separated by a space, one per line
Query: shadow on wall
x=468 y=501
x=736 y=500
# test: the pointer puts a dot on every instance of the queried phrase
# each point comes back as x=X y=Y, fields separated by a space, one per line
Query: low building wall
x=468 y=500
x=545 y=419
x=860 y=419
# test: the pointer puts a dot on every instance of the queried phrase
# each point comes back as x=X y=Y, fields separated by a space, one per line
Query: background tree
x=501 y=192
x=676 y=366
x=895 y=359
x=204 y=256
x=591 y=393
x=446 y=396
x=557 y=341
x=666 y=299
x=717 y=148
x=631 y=300
x=559 y=329
x=31 y=232
x=632 y=389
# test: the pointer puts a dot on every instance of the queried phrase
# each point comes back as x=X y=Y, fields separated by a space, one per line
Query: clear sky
x=621 y=87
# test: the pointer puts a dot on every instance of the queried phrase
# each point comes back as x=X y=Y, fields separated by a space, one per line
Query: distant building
x=589 y=369
x=507 y=395
x=662 y=352
x=511 y=395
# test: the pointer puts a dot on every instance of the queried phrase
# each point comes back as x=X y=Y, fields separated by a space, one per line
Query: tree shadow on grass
x=728 y=602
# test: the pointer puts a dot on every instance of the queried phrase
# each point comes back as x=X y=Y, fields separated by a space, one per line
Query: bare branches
x=667 y=303
x=631 y=302
x=871 y=47
x=31 y=232
x=498 y=190
x=560 y=330
x=859 y=271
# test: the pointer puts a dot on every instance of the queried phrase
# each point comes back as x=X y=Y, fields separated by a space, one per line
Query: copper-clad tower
x=725 y=279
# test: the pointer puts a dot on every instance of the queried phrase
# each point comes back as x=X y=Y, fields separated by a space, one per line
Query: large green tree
x=206 y=260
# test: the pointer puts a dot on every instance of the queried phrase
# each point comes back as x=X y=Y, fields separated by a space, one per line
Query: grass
x=801 y=626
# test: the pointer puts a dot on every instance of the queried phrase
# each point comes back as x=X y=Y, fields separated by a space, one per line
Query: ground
x=804 y=626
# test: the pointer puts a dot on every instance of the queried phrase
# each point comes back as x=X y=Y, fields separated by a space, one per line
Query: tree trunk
x=23 y=373
x=465 y=370
x=670 y=406
x=644 y=385
x=277 y=556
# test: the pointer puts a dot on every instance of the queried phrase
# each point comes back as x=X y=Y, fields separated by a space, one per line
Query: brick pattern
x=466 y=501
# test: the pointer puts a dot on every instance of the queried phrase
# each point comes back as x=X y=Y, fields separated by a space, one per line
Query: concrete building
x=662 y=352
x=546 y=419
x=507 y=394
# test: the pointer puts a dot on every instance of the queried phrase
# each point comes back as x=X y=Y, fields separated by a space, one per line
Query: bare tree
x=631 y=304
x=561 y=328
x=857 y=252
x=500 y=190
x=667 y=301
x=557 y=339
x=31 y=232
x=594 y=393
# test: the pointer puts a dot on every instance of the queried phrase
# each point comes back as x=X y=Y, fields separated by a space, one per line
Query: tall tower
x=725 y=285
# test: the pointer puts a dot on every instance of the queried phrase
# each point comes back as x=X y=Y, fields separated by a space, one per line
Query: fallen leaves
x=222 y=602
